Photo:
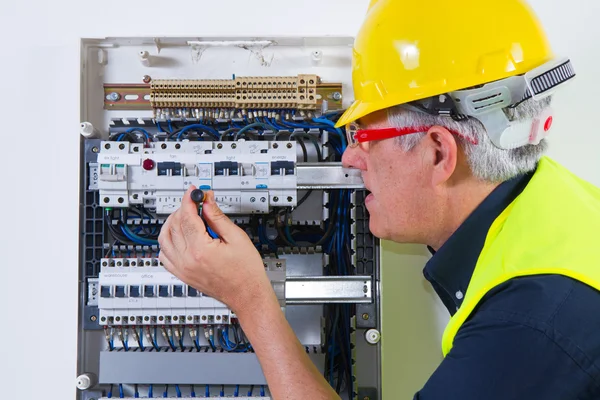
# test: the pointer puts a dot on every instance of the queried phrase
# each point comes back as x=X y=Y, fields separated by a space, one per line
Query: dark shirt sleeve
x=497 y=359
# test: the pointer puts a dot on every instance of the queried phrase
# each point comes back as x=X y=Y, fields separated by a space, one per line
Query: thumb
x=217 y=220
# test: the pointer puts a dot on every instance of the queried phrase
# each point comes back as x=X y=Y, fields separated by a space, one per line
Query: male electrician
x=451 y=113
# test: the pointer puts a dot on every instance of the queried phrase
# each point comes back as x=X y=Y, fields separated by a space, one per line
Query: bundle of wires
x=239 y=343
x=135 y=135
x=144 y=234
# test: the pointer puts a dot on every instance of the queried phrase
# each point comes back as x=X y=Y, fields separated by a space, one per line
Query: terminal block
x=298 y=92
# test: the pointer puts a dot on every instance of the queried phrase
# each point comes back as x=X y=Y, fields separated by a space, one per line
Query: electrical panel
x=254 y=121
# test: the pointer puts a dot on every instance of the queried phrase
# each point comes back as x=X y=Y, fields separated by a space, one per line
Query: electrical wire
x=177 y=390
x=312 y=139
x=196 y=127
x=136 y=392
x=141 y=339
x=121 y=394
x=249 y=127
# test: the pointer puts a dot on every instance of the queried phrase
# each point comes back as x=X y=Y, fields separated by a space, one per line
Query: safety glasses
x=357 y=136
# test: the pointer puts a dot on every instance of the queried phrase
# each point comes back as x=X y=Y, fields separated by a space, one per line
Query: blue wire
x=181 y=338
x=150 y=391
x=172 y=344
x=121 y=136
x=193 y=392
x=154 y=340
x=142 y=339
x=177 y=391
x=207 y=129
x=160 y=129
x=262 y=390
x=222 y=393
x=166 y=392
x=236 y=392
x=211 y=233
x=136 y=393
x=332 y=125
x=121 y=394
x=207 y=391
x=170 y=126
x=137 y=239
x=109 y=394
x=139 y=130
x=251 y=390
x=288 y=235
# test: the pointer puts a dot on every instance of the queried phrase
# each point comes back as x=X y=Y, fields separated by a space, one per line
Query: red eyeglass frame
x=369 y=135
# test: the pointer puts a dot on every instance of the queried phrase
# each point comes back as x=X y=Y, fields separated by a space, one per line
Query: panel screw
x=252 y=199
x=233 y=145
x=290 y=198
x=365 y=316
x=289 y=145
x=275 y=145
x=146 y=79
x=93 y=318
x=263 y=199
x=114 y=96
x=94 y=149
x=337 y=96
x=220 y=146
x=275 y=199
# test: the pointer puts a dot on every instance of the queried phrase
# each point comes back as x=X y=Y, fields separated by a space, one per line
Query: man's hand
x=228 y=269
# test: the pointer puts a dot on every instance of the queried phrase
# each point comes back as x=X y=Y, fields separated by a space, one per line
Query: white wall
x=39 y=101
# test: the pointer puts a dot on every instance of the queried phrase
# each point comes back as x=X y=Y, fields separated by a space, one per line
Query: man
x=450 y=138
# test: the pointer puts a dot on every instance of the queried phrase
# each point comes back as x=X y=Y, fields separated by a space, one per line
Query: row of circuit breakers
x=248 y=177
x=139 y=291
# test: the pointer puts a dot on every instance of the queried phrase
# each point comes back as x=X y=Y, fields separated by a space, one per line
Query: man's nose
x=354 y=157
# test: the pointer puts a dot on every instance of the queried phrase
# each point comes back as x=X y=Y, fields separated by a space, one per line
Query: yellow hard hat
x=409 y=50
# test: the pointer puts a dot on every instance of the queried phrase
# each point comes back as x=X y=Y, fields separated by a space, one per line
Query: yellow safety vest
x=552 y=227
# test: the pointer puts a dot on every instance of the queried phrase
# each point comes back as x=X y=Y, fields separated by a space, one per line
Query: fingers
x=167 y=263
x=218 y=221
x=192 y=226
x=175 y=231
x=164 y=240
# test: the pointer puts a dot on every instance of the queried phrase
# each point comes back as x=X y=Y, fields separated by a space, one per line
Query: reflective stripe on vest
x=552 y=227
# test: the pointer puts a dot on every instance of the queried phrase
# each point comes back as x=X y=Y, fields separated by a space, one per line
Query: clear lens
x=351 y=130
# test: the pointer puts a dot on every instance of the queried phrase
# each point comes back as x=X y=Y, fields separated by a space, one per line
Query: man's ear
x=442 y=154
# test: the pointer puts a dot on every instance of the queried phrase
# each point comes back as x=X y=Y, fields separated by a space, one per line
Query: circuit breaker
x=254 y=121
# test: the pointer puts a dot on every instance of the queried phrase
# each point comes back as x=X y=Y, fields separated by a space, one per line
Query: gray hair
x=487 y=162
